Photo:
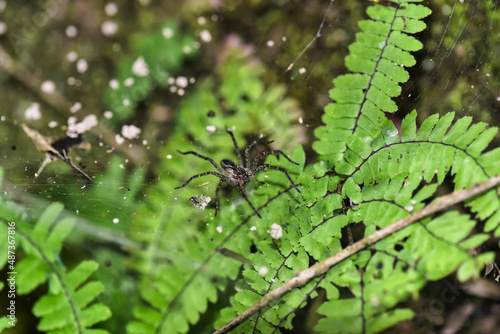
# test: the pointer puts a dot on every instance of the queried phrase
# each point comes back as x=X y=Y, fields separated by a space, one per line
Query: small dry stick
x=319 y=268
x=51 y=153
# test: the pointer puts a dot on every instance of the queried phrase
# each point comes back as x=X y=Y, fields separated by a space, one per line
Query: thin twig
x=319 y=268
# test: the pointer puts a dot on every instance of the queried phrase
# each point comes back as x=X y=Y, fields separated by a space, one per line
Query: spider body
x=238 y=175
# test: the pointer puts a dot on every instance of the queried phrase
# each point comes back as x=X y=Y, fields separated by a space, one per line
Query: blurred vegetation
x=236 y=74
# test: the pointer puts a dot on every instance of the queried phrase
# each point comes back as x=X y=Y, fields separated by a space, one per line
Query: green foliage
x=196 y=271
x=377 y=60
x=69 y=306
x=177 y=251
x=385 y=174
x=162 y=53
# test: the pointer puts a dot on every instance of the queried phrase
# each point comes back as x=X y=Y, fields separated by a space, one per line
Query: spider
x=239 y=175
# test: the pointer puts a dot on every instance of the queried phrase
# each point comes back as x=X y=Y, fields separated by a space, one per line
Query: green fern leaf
x=68 y=305
x=377 y=58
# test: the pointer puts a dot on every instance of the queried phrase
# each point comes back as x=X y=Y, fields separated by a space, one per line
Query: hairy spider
x=239 y=175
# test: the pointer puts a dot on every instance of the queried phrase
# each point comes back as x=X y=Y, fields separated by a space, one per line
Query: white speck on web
x=82 y=66
x=108 y=114
x=205 y=36
x=169 y=156
x=114 y=84
x=276 y=231
x=48 y=87
x=78 y=128
x=116 y=220
x=302 y=70
x=181 y=82
x=109 y=28
x=33 y=112
x=119 y=139
x=140 y=67
x=129 y=82
x=253 y=228
x=167 y=33
x=111 y=9
x=71 y=31
x=219 y=229
x=75 y=107
x=211 y=128
x=130 y=131
x=270 y=43
x=72 y=56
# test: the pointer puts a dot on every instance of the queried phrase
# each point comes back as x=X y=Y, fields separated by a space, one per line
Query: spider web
x=456 y=71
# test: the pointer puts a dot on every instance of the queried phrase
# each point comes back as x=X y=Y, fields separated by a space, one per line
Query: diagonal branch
x=319 y=268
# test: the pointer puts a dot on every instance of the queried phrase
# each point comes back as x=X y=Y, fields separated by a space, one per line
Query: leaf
x=63 y=308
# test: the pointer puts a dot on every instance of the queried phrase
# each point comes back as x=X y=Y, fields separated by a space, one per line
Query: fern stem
x=322 y=267
x=59 y=278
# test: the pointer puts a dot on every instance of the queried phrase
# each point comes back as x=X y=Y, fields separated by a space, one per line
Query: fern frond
x=183 y=270
x=377 y=60
x=433 y=151
x=386 y=174
x=70 y=304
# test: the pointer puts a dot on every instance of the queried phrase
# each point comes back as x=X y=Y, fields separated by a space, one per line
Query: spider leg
x=217 y=197
x=253 y=178
x=221 y=176
x=241 y=190
x=261 y=167
x=236 y=148
x=263 y=154
x=249 y=147
x=204 y=158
